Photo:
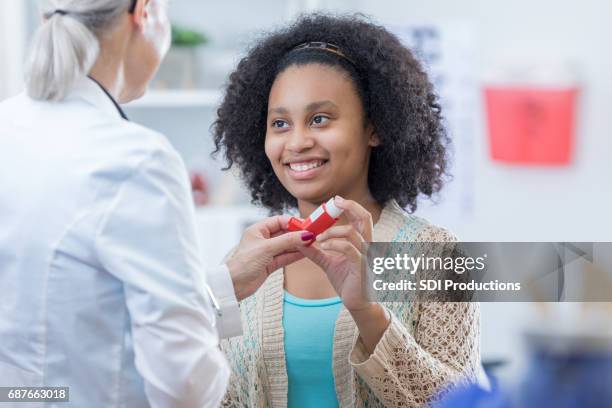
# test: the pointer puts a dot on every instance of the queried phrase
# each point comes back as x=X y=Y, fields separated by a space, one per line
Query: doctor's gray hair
x=66 y=46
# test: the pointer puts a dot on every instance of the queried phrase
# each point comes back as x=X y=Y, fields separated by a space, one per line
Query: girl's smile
x=305 y=169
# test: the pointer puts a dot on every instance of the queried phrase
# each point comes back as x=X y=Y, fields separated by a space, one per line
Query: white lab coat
x=101 y=276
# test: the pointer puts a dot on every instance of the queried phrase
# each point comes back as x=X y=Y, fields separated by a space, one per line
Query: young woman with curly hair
x=337 y=106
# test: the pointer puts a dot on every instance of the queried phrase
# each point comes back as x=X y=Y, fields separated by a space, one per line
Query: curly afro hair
x=397 y=96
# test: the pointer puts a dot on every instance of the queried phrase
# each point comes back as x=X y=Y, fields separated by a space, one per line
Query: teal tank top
x=309 y=341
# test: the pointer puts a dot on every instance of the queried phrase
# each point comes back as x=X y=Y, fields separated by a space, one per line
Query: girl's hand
x=341 y=253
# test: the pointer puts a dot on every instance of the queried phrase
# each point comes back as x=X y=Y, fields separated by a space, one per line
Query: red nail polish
x=307 y=236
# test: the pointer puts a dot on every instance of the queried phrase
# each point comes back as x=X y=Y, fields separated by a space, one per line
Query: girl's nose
x=299 y=140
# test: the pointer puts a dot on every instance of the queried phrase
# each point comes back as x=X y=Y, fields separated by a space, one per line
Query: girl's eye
x=320 y=120
x=279 y=124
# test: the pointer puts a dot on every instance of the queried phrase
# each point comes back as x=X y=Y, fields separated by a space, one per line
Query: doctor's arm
x=147 y=239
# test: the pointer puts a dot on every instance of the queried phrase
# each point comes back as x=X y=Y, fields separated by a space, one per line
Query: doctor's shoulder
x=10 y=107
x=129 y=145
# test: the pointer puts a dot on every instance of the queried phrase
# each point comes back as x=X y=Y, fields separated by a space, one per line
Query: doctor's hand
x=264 y=247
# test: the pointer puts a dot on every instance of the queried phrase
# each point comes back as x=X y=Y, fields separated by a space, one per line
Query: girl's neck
x=364 y=199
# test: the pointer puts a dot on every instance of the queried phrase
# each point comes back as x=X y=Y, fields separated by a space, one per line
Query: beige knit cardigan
x=426 y=347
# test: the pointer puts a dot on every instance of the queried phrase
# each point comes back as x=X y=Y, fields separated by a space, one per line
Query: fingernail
x=339 y=199
x=307 y=236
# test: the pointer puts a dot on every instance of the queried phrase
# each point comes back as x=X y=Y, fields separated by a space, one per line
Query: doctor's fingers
x=282 y=260
x=270 y=227
x=288 y=242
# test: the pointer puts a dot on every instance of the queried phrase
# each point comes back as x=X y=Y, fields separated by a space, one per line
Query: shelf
x=178 y=99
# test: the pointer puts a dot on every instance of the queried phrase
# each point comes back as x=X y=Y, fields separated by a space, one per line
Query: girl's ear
x=373 y=139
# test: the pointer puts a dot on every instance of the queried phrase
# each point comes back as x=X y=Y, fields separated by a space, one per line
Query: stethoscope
x=121 y=112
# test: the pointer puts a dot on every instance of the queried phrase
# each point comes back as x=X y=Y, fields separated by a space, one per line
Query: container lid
x=532 y=73
x=331 y=208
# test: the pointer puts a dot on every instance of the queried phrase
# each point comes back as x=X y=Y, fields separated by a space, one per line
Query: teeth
x=306 y=165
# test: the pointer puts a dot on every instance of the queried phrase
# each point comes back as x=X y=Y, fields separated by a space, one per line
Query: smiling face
x=317 y=139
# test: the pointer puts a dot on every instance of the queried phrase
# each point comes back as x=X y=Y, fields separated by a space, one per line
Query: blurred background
x=525 y=88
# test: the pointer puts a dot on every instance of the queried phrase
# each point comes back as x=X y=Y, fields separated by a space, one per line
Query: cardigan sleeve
x=231 y=399
x=412 y=367
x=409 y=370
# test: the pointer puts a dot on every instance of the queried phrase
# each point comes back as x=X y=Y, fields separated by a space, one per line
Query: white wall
x=12 y=38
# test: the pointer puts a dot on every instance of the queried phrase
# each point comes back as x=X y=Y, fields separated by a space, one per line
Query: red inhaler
x=321 y=219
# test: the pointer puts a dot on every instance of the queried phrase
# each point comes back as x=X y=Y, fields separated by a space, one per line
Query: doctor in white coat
x=103 y=287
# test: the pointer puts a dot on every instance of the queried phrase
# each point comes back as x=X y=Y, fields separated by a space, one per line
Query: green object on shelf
x=184 y=37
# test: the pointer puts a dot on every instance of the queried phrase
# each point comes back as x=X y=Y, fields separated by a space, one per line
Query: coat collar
x=92 y=92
